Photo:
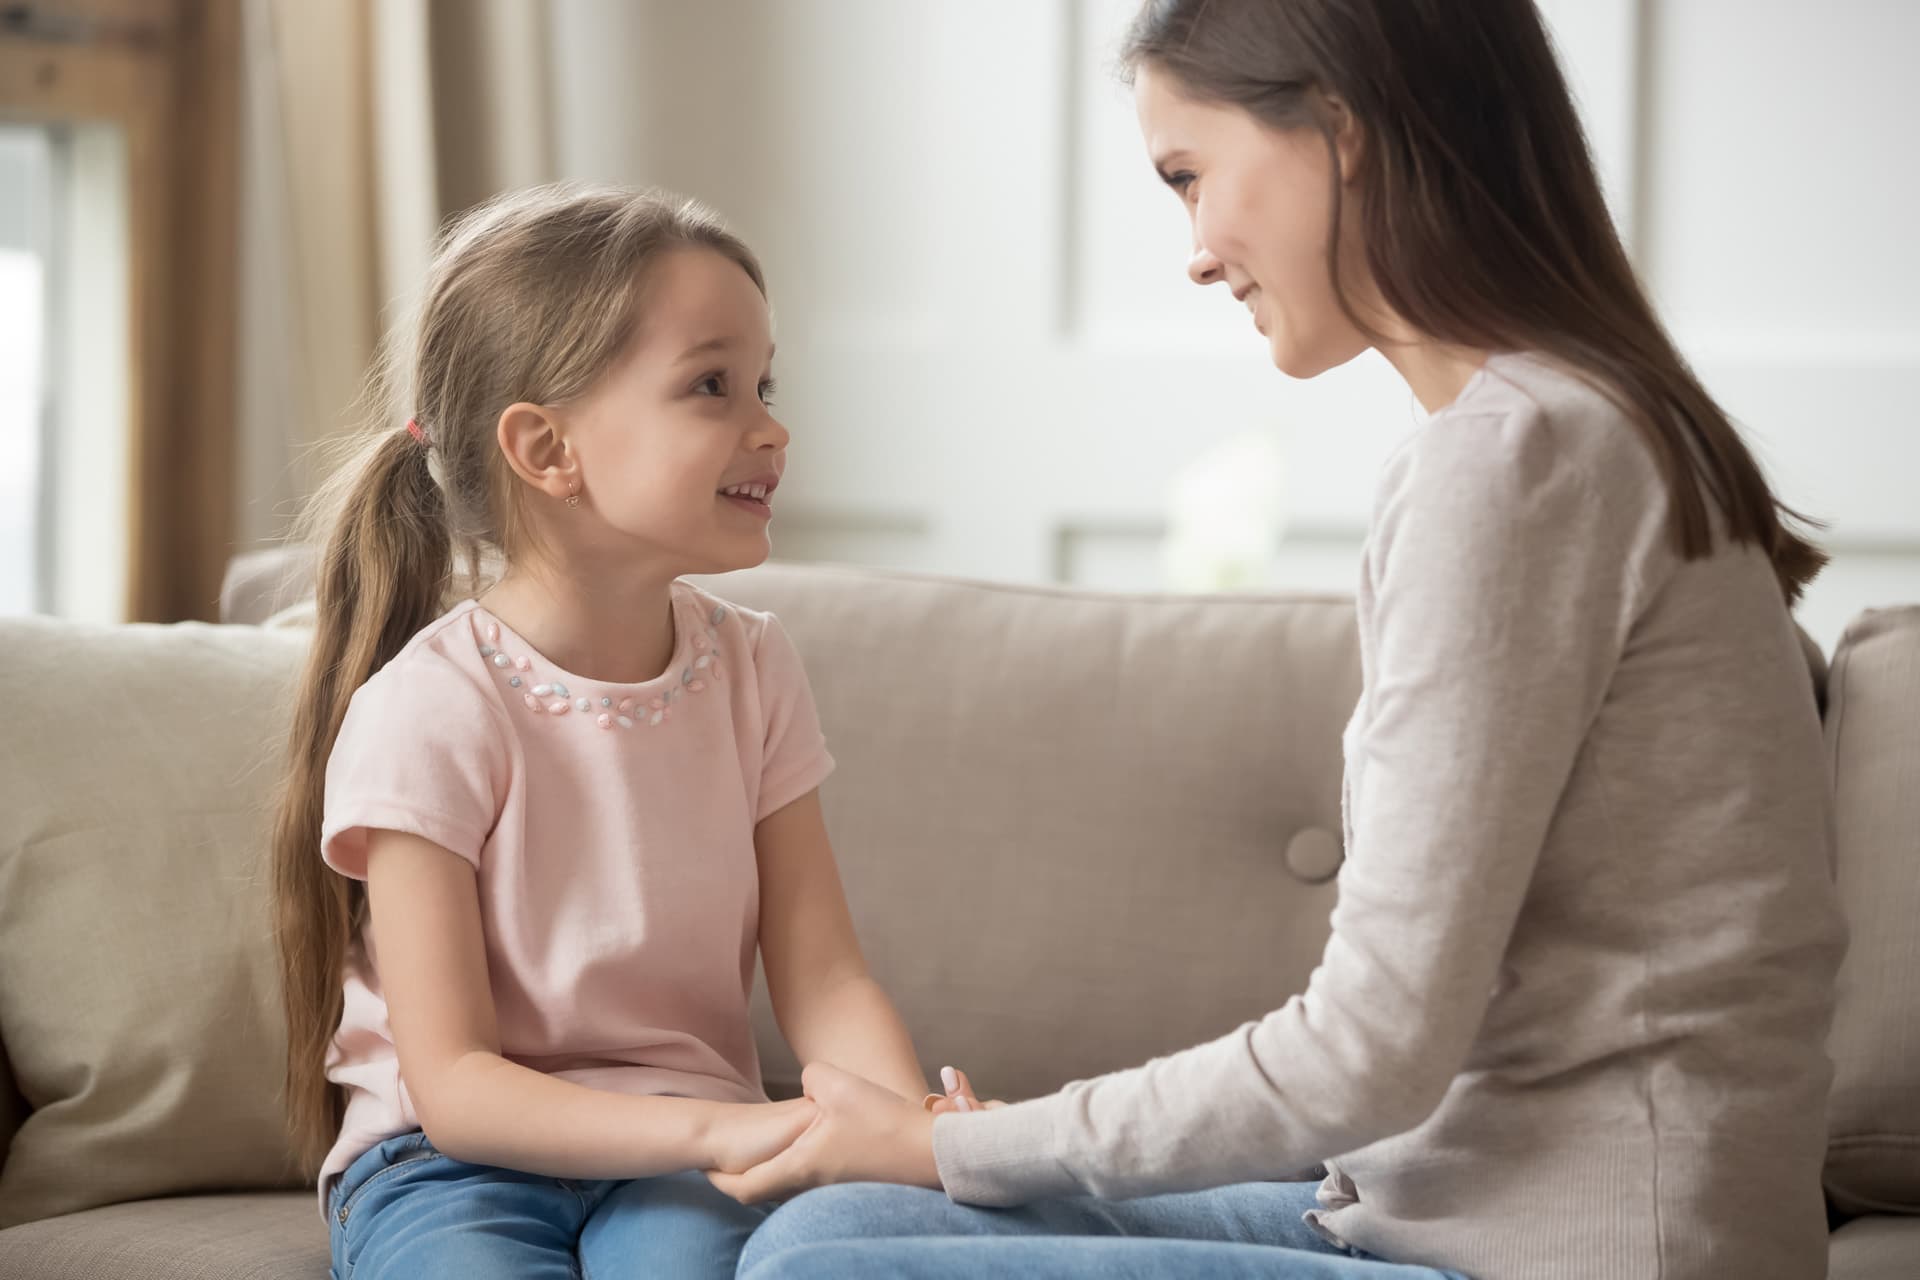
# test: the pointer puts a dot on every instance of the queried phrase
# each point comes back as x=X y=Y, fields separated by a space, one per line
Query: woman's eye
x=767 y=391
x=1183 y=183
x=713 y=385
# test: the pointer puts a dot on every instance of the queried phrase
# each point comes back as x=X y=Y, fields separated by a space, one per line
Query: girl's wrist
x=706 y=1143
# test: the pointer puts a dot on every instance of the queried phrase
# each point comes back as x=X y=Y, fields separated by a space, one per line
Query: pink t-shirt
x=610 y=827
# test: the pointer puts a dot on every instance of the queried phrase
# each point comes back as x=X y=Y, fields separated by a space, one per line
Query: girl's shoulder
x=725 y=622
x=747 y=640
x=440 y=674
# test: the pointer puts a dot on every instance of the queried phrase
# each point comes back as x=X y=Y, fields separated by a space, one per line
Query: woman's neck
x=621 y=633
x=1436 y=373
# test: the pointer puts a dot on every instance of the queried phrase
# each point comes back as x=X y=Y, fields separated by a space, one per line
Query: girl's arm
x=477 y=1106
x=828 y=1006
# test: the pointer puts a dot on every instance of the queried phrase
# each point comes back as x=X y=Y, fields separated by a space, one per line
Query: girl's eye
x=714 y=384
x=1182 y=182
x=767 y=390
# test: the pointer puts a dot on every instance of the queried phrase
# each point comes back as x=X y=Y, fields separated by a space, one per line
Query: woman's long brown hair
x=532 y=297
x=1483 y=222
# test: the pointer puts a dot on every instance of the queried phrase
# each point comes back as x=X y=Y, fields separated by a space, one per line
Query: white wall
x=1780 y=177
x=992 y=359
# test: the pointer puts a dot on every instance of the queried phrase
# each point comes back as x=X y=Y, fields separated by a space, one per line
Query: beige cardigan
x=1571 y=1018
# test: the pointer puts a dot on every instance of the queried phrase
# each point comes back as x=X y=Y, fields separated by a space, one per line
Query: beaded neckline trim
x=611 y=708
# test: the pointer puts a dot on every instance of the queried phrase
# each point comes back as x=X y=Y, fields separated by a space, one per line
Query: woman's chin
x=1301 y=362
x=1290 y=360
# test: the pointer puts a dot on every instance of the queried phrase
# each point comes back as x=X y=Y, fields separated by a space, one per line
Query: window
x=26 y=162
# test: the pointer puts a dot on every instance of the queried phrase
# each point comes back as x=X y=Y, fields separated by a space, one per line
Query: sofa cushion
x=1873 y=738
x=138 y=992
x=259 y=1236
x=1875 y=1248
x=1076 y=830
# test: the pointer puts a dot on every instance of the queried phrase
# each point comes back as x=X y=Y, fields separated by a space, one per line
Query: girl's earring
x=573 y=495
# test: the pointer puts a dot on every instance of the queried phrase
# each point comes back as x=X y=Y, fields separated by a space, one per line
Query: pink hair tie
x=414 y=429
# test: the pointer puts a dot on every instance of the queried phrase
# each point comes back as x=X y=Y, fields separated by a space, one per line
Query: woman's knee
x=850 y=1211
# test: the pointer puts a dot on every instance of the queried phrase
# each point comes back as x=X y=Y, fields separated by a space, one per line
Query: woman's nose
x=1203 y=267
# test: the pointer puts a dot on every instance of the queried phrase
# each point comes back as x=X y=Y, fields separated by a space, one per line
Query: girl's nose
x=773 y=434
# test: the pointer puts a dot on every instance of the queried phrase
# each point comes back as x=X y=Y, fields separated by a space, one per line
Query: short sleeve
x=794 y=757
x=421 y=751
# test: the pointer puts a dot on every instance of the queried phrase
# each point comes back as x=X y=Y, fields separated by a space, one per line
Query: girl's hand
x=864 y=1133
x=959 y=1095
x=747 y=1134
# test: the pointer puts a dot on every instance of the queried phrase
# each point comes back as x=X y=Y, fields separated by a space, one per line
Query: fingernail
x=950 y=1079
x=962 y=1103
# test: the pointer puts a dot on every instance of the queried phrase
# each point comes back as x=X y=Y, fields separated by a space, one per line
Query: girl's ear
x=1349 y=139
x=531 y=438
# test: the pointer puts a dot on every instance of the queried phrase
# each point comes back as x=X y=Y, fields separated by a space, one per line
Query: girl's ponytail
x=383 y=575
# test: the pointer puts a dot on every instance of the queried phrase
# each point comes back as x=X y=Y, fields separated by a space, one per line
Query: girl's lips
x=762 y=509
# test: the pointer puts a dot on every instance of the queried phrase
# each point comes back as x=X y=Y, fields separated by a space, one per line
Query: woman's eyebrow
x=1164 y=164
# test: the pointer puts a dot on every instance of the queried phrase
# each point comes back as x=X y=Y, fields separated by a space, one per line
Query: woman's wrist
x=925 y=1164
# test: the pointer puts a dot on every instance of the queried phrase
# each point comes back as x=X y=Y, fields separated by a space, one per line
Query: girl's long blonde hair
x=532 y=297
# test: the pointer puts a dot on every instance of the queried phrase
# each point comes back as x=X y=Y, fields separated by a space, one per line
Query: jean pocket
x=396 y=1154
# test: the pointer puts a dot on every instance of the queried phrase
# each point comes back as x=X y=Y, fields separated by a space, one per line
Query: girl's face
x=678 y=450
x=1258 y=198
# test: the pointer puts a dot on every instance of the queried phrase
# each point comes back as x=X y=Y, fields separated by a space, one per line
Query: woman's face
x=1258 y=198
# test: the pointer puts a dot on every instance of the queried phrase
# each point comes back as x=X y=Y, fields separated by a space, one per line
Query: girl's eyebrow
x=712 y=345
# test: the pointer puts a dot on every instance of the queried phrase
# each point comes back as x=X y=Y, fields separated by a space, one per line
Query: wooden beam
x=182 y=473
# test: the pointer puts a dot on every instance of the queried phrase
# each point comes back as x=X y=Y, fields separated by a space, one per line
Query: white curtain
x=365 y=124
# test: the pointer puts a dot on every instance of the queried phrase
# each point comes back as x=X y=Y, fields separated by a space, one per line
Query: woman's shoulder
x=1532 y=465
x=1526 y=429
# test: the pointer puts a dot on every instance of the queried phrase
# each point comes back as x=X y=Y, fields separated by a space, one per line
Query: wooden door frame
x=167 y=73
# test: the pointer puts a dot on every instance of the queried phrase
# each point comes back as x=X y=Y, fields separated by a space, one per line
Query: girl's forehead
x=699 y=302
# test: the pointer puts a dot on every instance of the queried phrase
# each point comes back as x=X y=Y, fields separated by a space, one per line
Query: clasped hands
x=844 y=1128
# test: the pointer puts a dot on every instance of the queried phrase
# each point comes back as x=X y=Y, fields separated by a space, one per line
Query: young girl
x=530 y=842
x=1570 y=1023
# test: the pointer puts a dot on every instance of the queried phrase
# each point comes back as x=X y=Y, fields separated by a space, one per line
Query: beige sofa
x=1077 y=830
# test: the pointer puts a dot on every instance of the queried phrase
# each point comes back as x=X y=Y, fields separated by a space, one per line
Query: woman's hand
x=959 y=1095
x=862 y=1133
x=747 y=1134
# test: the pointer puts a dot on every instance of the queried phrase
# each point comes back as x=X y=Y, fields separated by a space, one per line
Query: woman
x=1570 y=1019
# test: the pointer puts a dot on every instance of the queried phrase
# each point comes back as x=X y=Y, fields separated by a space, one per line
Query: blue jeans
x=1252 y=1231
x=404 y=1211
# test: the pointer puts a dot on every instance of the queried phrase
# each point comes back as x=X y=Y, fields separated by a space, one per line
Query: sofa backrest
x=1873 y=740
x=139 y=1001
x=1076 y=830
